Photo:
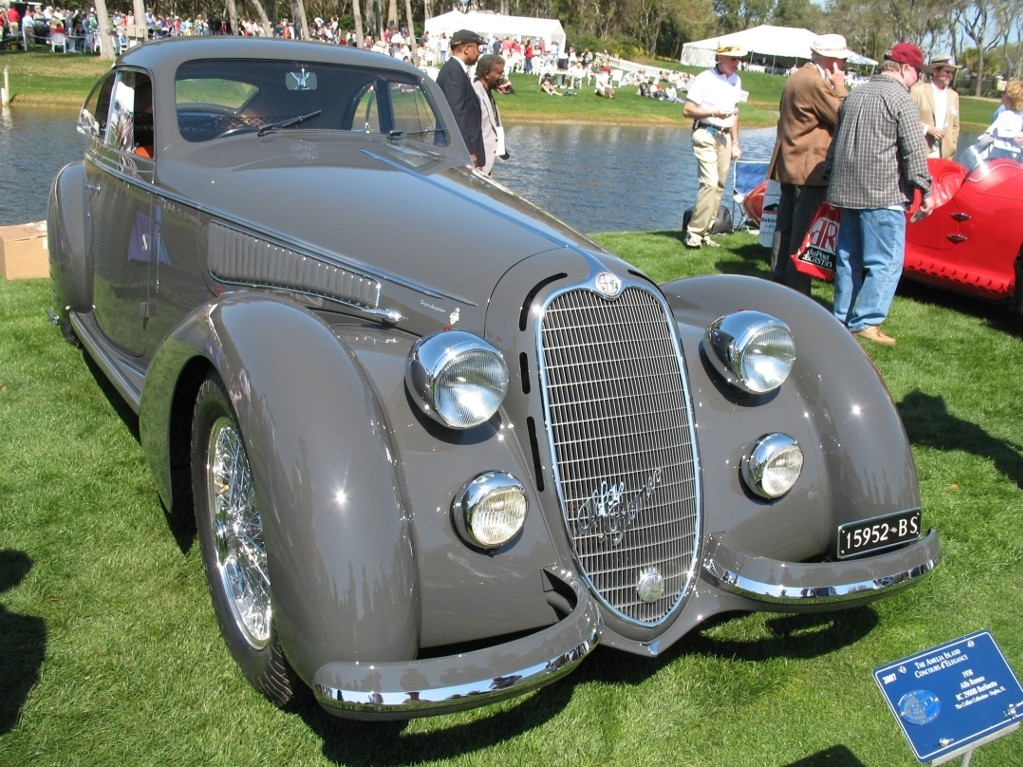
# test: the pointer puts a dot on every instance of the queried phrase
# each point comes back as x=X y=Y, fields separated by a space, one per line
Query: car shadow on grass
x=23 y=638
x=929 y=423
x=835 y=756
x=997 y=316
x=382 y=744
x=794 y=636
x=181 y=524
x=367 y=744
x=755 y=260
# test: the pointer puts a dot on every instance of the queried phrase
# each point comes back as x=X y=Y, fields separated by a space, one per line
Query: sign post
x=953 y=698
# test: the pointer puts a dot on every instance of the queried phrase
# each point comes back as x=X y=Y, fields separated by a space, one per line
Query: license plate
x=855 y=538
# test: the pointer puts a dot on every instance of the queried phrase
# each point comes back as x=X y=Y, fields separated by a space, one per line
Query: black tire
x=1017 y=295
x=229 y=526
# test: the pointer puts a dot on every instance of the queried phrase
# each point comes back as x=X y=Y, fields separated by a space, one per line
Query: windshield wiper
x=396 y=134
x=291 y=122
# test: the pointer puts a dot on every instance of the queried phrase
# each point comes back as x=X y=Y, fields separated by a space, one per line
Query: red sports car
x=973 y=241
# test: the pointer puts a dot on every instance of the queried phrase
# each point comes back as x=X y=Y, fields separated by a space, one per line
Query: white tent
x=765 y=43
x=497 y=26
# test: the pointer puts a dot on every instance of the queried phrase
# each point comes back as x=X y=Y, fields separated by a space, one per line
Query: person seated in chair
x=602 y=85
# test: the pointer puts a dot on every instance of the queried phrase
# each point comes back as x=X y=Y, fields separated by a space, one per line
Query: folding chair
x=748 y=175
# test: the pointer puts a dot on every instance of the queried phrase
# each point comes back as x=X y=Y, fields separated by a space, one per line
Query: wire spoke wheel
x=237 y=530
x=229 y=523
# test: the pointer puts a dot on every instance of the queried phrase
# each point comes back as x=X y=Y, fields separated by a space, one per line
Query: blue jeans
x=871 y=246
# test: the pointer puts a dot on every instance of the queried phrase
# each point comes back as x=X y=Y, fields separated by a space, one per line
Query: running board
x=119 y=369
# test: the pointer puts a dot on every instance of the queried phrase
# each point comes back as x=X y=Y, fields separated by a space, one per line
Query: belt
x=711 y=129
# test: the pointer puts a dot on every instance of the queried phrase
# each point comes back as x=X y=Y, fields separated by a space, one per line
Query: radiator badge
x=608 y=284
x=608 y=513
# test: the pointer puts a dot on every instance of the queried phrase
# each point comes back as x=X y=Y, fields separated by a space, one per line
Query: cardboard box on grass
x=23 y=253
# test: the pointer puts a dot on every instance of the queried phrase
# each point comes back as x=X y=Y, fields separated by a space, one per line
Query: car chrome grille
x=622 y=441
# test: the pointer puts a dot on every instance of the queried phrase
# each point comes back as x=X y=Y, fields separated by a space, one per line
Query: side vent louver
x=241 y=259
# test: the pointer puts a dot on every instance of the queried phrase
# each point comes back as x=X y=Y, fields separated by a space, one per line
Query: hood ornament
x=608 y=284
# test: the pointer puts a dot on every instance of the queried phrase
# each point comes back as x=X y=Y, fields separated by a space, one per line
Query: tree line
x=982 y=34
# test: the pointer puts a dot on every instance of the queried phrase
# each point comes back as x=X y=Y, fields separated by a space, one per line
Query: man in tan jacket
x=939 y=108
x=806 y=122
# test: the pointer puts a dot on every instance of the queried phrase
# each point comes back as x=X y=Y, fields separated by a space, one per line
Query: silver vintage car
x=438 y=445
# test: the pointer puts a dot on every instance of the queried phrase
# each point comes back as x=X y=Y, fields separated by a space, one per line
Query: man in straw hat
x=939 y=108
x=806 y=122
x=713 y=105
x=876 y=162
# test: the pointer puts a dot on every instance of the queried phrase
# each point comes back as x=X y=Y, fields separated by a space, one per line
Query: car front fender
x=335 y=525
x=857 y=459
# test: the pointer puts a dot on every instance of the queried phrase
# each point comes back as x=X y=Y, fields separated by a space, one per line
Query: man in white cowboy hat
x=939 y=108
x=712 y=103
x=806 y=122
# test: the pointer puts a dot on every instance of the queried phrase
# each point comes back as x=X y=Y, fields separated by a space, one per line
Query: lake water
x=596 y=178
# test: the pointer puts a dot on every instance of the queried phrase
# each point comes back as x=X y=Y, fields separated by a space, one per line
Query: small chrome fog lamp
x=751 y=350
x=772 y=466
x=490 y=510
x=456 y=378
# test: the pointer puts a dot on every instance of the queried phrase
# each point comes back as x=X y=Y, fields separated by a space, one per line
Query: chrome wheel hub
x=237 y=529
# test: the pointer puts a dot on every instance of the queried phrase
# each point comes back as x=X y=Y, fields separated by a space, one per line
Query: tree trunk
x=140 y=33
x=232 y=17
x=106 y=44
x=412 y=46
x=357 y=12
x=302 y=33
x=264 y=22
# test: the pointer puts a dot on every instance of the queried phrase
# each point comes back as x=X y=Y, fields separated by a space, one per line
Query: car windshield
x=217 y=98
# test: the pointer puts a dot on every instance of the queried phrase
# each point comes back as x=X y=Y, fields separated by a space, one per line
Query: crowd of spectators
x=559 y=68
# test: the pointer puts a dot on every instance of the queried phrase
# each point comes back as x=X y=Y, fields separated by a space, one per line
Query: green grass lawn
x=43 y=79
x=111 y=654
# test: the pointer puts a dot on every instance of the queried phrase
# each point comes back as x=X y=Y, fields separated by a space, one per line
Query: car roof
x=169 y=53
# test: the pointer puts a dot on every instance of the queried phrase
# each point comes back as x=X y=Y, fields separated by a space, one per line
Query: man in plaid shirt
x=876 y=161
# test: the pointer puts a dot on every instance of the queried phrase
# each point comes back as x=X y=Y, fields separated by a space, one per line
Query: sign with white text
x=952 y=695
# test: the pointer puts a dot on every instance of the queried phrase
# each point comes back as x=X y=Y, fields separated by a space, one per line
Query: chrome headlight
x=772 y=466
x=490 y=510
x=457 y=378
x=751 y=350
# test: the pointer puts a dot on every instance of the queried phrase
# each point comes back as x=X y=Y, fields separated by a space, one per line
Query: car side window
x=412 y=112
x=92 y=120
x=367 y=111
x=130 y=127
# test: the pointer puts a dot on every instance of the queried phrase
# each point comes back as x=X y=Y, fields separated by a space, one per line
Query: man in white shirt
x=713 y=105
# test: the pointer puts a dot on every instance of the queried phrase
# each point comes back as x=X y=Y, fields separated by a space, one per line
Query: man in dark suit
x=806 y=122
x=455 y=79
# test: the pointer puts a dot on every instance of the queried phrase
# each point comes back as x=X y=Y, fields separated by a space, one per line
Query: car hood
x=412 y=218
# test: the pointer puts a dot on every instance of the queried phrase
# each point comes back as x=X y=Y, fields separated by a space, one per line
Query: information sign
x=952 y=696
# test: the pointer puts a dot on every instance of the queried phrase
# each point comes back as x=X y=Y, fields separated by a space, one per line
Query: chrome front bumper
x=407 y=689
x=798 y=584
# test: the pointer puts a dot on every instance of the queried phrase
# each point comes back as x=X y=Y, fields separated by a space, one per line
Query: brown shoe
x=875 y=334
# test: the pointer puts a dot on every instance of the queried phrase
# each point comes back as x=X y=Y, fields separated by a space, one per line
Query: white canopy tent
x=766 y=44
x=497 y=26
